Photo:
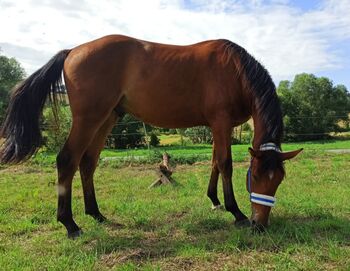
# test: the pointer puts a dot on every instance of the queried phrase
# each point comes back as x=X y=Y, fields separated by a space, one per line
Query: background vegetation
x=11 y=73
x=313 y=107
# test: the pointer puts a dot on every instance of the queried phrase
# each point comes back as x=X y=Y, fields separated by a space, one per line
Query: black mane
x=264 y=92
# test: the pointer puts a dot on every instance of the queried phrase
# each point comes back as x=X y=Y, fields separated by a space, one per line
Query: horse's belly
x=166 y=112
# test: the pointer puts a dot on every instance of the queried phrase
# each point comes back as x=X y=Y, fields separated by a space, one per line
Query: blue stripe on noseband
x=262 y=199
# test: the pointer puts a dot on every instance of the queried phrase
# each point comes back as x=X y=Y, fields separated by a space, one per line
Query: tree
x=127 y=133
x=11 y=73
x=199 y=134
x=312 y=107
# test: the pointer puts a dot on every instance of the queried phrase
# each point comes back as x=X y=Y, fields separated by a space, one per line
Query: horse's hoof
x=244 y=223
x=258 y=229
x=217 y=207
x=75 y=234
x=100 y=218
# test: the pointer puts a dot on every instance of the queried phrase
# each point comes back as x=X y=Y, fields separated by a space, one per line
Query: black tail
x=21 y=126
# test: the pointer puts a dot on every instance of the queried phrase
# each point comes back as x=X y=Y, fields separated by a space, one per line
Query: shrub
x=55 y=133
x=127 y=133
x=199 y=135
x=154 y=140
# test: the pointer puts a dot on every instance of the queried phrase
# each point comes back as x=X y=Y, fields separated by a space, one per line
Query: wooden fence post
x=164 y=172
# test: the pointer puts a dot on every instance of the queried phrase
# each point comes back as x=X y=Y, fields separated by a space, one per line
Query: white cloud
x=285 y=39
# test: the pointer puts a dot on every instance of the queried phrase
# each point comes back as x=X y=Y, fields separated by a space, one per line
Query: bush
x=199 y=135
x=154 y=140
x=127 y=133
x=55 y=133
x=242 y=134
x=247 y=137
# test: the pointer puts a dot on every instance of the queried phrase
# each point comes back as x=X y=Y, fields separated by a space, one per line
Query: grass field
x=172 y=227
x=187 y=154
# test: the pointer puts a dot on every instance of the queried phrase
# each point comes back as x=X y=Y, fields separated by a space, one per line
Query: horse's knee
x=225 y=165
x=87 y=162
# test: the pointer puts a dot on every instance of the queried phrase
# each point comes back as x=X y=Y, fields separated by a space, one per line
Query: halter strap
x=261 y=198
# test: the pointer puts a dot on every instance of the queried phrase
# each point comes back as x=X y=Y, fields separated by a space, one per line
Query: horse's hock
x=164 y=171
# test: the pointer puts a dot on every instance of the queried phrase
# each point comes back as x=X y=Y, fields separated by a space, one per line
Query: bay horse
x=215 y=83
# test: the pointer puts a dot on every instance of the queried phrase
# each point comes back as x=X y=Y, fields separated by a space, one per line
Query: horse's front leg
x=212 y=192
x=223 y=157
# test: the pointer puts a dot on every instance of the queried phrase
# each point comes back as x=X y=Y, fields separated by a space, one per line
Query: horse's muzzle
x=257 y=227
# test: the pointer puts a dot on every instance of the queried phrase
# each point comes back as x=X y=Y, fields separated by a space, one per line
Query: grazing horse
x=215 y=83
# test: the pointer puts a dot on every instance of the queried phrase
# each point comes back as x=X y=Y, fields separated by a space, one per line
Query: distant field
x=170 y=139
x=204 y=149
x=172 y=228
x=189 y=154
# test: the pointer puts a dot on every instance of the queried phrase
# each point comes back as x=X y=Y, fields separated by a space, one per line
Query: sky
x=288 y=37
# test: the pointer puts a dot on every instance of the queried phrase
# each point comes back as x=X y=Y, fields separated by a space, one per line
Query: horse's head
x=264 y=175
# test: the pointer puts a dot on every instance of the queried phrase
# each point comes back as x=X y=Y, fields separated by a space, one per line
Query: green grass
x=172 y=227
x=188 y=154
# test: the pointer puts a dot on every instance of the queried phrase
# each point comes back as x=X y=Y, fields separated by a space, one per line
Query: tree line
x=313 y=107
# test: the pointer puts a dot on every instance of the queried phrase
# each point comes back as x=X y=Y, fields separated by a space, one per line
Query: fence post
x=146 y=136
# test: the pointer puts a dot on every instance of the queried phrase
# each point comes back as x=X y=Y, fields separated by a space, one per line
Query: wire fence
x=194 y=134
x=144 y=132
x=186 y=152
x=338 y=117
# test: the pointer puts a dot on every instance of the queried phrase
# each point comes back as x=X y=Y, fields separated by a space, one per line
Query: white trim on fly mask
x=269 y=147
x=260 y=198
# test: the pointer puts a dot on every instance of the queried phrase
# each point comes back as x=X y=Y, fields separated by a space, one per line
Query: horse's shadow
x=220 y=235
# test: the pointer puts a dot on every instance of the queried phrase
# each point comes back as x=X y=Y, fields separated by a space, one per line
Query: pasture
x=172 y=227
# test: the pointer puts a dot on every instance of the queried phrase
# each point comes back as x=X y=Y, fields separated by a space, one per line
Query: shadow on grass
x=219 y=235
x=320 y=227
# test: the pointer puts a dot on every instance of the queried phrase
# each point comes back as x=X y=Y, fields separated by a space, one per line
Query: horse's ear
x=254 y=153
x=290 y=154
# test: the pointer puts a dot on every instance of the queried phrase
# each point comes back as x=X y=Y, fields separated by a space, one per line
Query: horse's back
x=165 y=85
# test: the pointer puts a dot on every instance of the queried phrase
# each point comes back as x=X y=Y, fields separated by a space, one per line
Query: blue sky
x=306 y=5
x=288 y=37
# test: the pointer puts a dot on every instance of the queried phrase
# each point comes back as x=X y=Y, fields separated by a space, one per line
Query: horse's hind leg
x=88 y=165
x=82 y=133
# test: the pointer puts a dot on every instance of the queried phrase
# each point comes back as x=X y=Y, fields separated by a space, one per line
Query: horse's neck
x=260 y=130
